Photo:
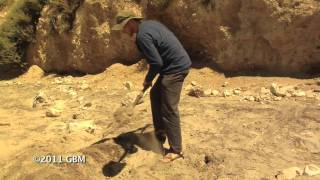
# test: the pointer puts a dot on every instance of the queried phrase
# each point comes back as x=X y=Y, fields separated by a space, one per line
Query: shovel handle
x=140 y=96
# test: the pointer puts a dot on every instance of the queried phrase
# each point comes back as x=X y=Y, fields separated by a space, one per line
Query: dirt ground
x=224 y=137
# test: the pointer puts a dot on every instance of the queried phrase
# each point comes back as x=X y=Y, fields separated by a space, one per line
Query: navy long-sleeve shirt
x=162 y=50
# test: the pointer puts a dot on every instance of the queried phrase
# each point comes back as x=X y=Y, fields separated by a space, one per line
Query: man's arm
x=148 y=49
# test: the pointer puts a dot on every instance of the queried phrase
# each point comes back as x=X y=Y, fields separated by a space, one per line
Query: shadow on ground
x=128 y=141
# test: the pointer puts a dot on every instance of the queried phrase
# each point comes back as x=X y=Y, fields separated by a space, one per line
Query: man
x=166 y=56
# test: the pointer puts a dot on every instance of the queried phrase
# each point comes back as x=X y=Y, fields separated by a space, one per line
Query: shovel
x=139 y=98
x=125 y=113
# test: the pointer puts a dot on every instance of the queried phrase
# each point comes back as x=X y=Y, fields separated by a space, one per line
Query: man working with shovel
x=166 y=56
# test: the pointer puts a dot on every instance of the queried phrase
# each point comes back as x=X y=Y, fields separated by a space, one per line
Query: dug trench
x=237 y=128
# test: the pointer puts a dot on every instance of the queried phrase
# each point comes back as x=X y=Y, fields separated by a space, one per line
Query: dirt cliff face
x=278 y=36
x=85 y=44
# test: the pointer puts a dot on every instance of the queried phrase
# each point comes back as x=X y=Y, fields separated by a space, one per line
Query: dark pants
x=165 y=97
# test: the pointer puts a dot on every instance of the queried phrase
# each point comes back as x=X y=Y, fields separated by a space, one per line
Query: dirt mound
x=33 y=74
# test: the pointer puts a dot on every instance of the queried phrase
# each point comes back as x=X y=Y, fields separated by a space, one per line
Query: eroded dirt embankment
x=278 y=36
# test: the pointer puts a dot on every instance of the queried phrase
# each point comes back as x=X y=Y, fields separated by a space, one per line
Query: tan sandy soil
x=223 y=137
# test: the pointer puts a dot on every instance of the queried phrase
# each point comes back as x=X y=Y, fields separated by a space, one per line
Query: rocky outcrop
x=88 y=46
x=278 y=36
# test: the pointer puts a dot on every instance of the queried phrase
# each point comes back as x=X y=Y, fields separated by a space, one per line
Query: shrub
x=18 y=29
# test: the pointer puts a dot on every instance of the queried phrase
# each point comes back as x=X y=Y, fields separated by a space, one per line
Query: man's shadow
x=128 y=141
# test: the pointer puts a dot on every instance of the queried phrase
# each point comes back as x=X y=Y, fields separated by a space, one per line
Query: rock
x=57 y=80
x=225 y=84
x=226 y=93
x=88 y=126
x=236 y=92
x=56 y=110
x=249 y=98
x=72 y=92
x=84 y=86
x=289 y=173
x=288 y=89
x=311 y=170
x=275 y=90
x=128 y=85
x=80 y=99
x=53 y=112
x=40 y=98
x=299 y=94
x=196 y=92
x=215 y=93
x=193 y=83
x=207 y=93
x=288 y=95
x=19 y=83
x=277 y=98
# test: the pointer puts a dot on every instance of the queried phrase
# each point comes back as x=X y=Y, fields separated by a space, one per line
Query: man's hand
x=146 y=84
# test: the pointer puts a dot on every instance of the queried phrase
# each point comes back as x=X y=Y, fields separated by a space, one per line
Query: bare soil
x=223 y=137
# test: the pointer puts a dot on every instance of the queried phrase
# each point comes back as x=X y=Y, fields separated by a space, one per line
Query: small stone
x=40 y=98
x=207 y=92
x=250 y=98
x=215 y=93
x=226 y=93
x=193 y=83
x=19 y=83
x=128 y=85
x=80 y=99
x=53 y=112
x=288 y=89
x=289 y=173
x=57 y=80
x=236 y=92
x=56 y=110
x=72 y=93
x=311 y=170
x=225 y=84
x=275 y=90
x=299 y=94
x=277 y=99
x=288 y=95
x=84 y=86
